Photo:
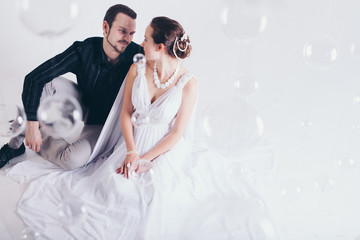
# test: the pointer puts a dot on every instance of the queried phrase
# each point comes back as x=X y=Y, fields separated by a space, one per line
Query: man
x=100 y=66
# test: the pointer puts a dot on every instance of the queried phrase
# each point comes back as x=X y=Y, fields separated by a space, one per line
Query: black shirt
x=98 y=81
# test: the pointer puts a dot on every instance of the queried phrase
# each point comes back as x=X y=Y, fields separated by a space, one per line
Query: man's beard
x=115 y=47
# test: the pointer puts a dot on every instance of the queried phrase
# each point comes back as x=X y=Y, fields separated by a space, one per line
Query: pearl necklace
x=168 y=82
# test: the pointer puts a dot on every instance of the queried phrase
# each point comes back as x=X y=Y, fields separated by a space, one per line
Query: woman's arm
x=125 y=121
x=189 y=97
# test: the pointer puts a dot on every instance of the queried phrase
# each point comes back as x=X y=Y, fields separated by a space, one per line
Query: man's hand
x=33 y=137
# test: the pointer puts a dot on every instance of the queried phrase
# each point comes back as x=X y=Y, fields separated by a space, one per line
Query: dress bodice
x=163 y=110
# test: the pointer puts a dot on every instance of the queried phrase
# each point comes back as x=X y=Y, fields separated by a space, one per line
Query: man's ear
x=106 y=28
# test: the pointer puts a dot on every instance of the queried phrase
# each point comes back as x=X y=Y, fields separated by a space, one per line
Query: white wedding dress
x=190 y=196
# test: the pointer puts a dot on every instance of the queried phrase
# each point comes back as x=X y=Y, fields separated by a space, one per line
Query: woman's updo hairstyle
x=170 y=33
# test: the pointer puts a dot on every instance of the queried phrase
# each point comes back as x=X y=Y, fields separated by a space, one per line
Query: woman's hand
x=143 y=166
x=129 y=159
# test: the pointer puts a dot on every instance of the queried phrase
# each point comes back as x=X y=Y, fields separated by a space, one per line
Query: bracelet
x=131 y=152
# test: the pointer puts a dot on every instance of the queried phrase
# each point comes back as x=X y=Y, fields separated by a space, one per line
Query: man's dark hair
x=118 y=8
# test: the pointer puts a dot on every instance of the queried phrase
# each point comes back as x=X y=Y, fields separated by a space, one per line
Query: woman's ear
x=160 y=47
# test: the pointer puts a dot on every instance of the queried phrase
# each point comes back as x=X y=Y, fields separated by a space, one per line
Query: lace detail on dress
x=184 y=79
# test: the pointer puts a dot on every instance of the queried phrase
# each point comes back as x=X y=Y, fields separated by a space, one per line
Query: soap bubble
x=243 y=19
x=291 y=190
x=30 y=234
x=346 y=161
x=356 y=100
x=355 y=49
x=48 y=18
x=323 y=183
x=230 y=124
x=238 y=170
x=223 y=217
x=59 y=115
x=261 y=227
x=245 y=85
x=256 y=164
x=138 y=119
x=139 y=59
x=12 y=120
x=320 y=53
x=306 y=124
x=134 y=119
x=72 y=210
x=356 y=126
x=141 y=173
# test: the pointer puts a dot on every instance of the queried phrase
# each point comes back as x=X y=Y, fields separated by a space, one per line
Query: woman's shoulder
x=189 y=77
x=190 y=83
x=133 y=69
x=132 y=73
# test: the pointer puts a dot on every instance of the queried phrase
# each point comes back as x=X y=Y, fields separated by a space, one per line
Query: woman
x=164 y=80
x=189 y=195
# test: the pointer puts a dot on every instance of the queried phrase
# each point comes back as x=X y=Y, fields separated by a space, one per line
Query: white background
x=290 y=93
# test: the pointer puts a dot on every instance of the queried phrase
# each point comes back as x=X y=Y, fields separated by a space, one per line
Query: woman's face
x=150 y=47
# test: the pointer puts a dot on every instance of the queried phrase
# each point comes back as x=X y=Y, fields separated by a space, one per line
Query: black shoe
x=7 y=153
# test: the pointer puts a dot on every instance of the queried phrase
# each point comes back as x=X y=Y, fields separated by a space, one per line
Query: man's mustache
x=124 y=41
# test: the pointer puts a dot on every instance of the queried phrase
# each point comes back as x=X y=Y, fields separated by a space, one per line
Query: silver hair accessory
x=183 y=38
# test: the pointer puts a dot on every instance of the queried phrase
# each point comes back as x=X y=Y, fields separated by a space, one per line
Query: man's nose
x=128 y=37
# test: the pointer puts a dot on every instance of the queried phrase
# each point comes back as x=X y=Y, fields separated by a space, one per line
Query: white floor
x=306 y=201
x=329 y=213
x=11 y=225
